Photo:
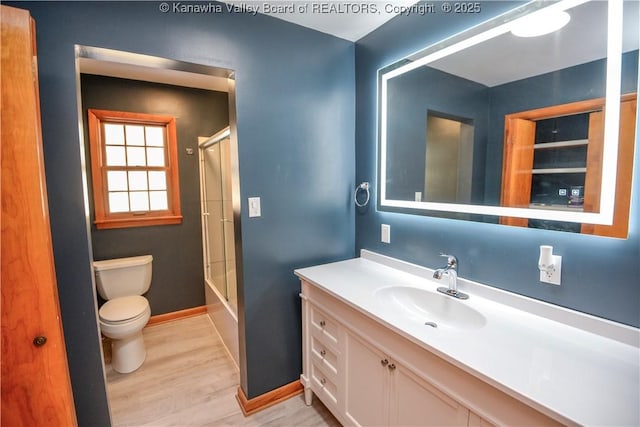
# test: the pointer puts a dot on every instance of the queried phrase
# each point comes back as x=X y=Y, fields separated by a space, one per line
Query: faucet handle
x=452 y=261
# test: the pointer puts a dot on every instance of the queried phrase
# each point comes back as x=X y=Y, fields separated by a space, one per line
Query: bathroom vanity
x=382 y=347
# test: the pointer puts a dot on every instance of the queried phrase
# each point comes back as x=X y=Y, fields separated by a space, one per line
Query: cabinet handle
x=323 y=323
x=384 y=362
x=323 y=381
x=392 y=367
x=323 y=352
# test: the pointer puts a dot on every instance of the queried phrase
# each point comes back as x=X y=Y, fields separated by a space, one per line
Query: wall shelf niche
x=553 y=160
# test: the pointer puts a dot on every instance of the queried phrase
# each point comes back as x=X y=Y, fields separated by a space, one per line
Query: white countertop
x=575 y=368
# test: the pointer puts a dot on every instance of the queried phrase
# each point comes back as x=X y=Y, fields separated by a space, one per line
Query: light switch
x=385 y=233
x=254 y=207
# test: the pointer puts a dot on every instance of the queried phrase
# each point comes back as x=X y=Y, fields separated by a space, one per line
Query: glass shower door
x=217 y=218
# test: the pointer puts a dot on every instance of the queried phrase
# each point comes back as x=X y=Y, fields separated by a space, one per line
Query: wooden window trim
x=106 y=220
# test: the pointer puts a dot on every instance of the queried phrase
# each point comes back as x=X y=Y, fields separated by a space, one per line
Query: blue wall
x=295 y=112
x=599 y=275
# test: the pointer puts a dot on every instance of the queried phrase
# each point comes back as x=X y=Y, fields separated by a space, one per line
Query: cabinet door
x=367 y=377
x=414 y=402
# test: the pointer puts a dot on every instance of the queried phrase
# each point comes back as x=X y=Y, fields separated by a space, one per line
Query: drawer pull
x=323 y=353
x=323 y=323
x=323 y=381
x=392 y=367
x=384 y=362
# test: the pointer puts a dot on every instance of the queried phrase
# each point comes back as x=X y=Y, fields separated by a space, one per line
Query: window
x=134 y=162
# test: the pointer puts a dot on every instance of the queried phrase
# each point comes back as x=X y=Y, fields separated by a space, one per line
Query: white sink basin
x=430 y=308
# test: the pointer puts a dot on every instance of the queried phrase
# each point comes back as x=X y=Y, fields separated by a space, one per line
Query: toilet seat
x=123 y=309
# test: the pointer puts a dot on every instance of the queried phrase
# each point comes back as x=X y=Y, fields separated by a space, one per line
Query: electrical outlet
x=385 y=233
x=554 y=274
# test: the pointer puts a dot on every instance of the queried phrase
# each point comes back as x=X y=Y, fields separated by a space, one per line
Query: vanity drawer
x=324 y=327
x=324 y=356
x=324 y=386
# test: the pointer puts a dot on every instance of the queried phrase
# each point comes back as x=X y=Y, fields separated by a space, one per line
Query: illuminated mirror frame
x=486 y=31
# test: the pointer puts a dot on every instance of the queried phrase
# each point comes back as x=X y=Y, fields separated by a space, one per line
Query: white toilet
x=121 y=282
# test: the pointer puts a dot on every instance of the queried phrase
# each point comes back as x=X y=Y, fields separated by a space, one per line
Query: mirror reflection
x=513 y=122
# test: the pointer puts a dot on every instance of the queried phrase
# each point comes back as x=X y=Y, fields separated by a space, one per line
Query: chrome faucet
x=452 y=270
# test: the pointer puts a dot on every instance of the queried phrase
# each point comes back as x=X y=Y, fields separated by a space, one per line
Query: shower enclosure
x=218 y=241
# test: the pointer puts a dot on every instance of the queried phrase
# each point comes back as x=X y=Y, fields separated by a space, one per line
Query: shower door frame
x=228 y=322
x=203 y=145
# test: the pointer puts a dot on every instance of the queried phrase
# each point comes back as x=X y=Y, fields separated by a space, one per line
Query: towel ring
x=362 y=187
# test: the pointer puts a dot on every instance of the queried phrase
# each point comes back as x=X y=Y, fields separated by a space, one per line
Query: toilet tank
x=122 y=277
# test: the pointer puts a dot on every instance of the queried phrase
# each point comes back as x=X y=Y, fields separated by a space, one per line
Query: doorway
x=153 y=70
x=450 y=149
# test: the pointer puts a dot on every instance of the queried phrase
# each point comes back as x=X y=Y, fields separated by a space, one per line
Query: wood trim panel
x=176 y=315
x=566 y=109
x=251 y=406
x=35 y=389
x=138 y=222
x=516 y=169
x=624 y=176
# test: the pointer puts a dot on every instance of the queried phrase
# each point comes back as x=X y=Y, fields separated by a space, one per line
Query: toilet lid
x=123 y=308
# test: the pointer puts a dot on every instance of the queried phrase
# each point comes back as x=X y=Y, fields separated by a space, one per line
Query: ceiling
x=508 y=58
x=349 y=20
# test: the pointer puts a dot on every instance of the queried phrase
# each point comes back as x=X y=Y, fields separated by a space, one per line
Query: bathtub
x=224 y=319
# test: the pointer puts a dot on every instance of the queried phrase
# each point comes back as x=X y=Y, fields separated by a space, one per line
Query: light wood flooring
x=188 y=379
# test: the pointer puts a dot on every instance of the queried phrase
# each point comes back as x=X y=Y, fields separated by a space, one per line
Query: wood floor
x=188 y=379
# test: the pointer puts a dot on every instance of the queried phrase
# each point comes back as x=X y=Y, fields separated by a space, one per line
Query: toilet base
x=128 y=354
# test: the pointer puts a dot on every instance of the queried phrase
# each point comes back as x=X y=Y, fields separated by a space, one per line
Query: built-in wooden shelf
x=559 y=170
x=560 y=144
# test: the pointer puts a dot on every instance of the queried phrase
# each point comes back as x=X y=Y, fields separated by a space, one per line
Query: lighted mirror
x=503 y=125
